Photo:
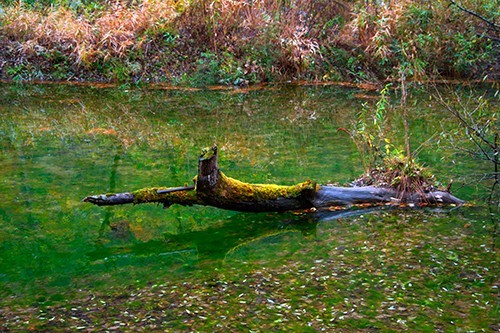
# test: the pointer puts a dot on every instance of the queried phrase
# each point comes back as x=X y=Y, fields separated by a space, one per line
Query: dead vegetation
x=110 y=34
x=403 y=176
x=235 y=40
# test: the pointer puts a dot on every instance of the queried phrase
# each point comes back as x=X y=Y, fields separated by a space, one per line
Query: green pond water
x=60 y=143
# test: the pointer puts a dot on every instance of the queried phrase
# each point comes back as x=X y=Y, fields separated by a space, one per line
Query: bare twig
x=175 y=189
x=487 y=146
x=472 y=126
x=490 y=23
x=404 y=94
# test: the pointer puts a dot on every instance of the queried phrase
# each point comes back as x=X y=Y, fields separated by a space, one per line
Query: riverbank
x=239 y=43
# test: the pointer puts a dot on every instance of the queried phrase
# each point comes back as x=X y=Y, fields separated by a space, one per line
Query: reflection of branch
x=256 y=239
x=496 y=166
x=484 y=176
x=492 y=24
x=326 y=215
x=489 y=37
x=112 y=186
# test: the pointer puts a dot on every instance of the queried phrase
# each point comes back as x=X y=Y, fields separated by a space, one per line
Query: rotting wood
x=213 y=188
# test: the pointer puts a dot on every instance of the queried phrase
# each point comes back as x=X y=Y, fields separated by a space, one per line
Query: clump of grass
x=386 y=164
x=268 y=37
x=257 y=39
x=400 y=174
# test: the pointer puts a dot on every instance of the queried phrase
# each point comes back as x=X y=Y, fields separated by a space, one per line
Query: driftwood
x=213 y=188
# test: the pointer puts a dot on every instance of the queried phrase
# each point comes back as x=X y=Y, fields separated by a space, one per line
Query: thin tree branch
x=495 y=39
x=492 y=24
x=466 y=124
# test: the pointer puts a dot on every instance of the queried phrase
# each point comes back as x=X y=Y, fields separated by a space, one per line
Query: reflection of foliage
x=370 y=132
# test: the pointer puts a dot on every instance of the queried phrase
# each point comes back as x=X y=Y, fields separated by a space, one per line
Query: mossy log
x=213 y=188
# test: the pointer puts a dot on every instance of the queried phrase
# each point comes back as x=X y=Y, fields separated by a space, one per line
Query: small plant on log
x=370 y=132
x=399 y=173
x=384 y=163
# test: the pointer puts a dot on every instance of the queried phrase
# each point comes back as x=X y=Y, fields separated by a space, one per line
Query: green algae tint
x=66 y=265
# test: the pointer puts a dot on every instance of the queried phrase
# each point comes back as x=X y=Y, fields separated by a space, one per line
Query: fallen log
x=213 y=188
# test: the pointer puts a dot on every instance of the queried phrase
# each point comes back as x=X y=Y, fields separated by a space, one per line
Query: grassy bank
x=197 y=42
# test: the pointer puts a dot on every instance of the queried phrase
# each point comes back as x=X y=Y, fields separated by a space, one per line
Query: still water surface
x=62 y=143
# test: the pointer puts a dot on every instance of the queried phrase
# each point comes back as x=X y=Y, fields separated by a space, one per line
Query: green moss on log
x=150 y=194
x=231 y=193
x=231 y=189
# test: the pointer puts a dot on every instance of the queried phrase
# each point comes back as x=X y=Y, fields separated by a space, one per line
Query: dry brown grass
x=413 y=32
x=283 y=38
x=111 y=34
x=290 y=28
x=400 y=174
x=119 y=29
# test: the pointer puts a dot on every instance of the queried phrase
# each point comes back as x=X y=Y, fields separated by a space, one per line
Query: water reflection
x=118 y=245
x=210 y=243
x=62 y=143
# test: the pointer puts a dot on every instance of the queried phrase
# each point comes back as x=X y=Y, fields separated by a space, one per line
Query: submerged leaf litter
x=390 y=276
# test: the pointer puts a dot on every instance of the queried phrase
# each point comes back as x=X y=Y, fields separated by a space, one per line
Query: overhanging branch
x=492 y=25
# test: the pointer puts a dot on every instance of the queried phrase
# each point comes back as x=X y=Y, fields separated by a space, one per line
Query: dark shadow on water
x=241 y=240
x=327 y=216
x=213 y=243
x=210 y=243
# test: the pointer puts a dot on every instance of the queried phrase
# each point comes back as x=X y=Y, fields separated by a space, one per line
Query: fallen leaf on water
x=105 y=131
